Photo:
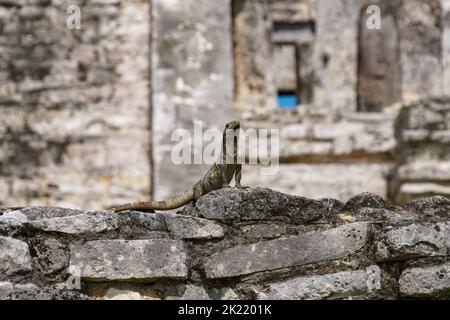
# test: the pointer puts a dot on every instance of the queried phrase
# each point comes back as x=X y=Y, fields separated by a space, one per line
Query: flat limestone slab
x=340 y=284
x=282 y=253
x=129 y=259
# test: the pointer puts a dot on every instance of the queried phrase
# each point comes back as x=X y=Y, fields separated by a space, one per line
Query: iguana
x=218 y=176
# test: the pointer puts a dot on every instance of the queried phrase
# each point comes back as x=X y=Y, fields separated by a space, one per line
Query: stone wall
x=423 y=133
x=74 y=104
x=232 y=244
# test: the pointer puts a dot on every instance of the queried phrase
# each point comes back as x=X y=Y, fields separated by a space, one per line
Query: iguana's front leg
x=198 y=191
x=223 y=172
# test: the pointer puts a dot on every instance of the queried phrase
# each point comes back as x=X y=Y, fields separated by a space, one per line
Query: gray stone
x=14 y=257
x=391 y=218
x=192 y=292
x=431 y=281
x=421 y=63
x=116 y=260
x=50 y=256
x=228 y=294
x=432 y=206
x=329 y=286
x=12 y=219
x=29 y=291
x=92 y=222
x=288 y=252
x=150 y=221
x=416 y=240
x=367 y=200
x=37 y=213
x=260 y=204
x=186 y=227
x=50 y=219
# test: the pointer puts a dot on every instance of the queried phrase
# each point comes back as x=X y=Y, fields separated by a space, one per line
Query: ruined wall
x=329 y=146
x=74 y=104
x=423 y=131
x=232 y=244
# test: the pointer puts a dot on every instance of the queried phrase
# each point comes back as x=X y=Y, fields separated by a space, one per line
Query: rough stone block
x=14 y=256
x=259 y=204
x=29 y=291
x=289 y=252
x=116 y=260
x=426 y=282
x=416 y=240
x=50 y=256
x=93 y=222
x=336 y=285
x=186 y=227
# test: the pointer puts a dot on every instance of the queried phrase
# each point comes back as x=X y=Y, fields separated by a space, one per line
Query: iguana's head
x=233 y=125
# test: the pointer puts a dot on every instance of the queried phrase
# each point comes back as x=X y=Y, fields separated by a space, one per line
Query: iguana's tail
x=171 y=203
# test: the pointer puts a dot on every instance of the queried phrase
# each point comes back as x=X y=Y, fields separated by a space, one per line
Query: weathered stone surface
x=367 y=200
x=47 y=218
x=14 y=257
x=260 y=204
x=388 y=217
x=226 y=294
x=29 y=291
x=432 y=206
x=50 y=256
x=37 y=213
x=431 y=281
x=289 y=252
x=416 y=240
x=115 y=259
x=73 y=103
x=186 y=227
x=150 y=221
x=192 y=292
x=329 y=286
x=82 y=223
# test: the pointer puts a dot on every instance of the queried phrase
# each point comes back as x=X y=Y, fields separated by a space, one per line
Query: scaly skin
x=218 y=176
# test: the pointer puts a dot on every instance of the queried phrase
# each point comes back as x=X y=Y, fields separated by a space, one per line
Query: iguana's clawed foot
x=238 y=186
